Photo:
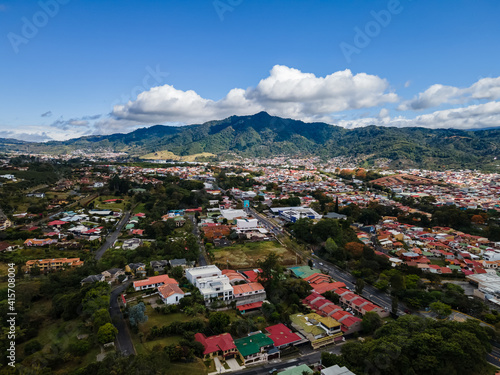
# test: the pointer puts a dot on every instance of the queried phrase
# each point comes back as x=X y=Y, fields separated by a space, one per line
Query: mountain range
x=264 y=135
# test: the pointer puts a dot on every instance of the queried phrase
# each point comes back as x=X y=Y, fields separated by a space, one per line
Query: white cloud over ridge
x=434 y=96
x=341 y=98
x=286 y=92
x=478 y=116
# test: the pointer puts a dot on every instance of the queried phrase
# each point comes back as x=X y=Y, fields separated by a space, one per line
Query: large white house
x=216 y=287
x=193 y=274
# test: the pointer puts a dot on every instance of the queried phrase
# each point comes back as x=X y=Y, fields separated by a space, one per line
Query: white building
x=215 y=287
x=231 y=214
x=196 y=273
x=247 y=224
x=170 y=294
x=295 y=213
x=490 y=256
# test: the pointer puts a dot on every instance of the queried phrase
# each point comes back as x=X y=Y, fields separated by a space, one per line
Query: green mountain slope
x=264 y=135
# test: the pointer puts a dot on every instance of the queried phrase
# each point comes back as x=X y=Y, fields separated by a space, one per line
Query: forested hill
x=264 y=135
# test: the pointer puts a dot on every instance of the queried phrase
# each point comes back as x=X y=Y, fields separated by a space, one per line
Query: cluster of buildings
x=45 y=265
x=227 y=286
x=428 y=248
x=256 y=348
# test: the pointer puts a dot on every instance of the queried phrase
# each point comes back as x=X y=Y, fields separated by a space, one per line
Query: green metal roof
x=304 y=271
x=252 y=344
x=298 y=370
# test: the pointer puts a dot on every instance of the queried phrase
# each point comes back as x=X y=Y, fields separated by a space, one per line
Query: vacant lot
x=249 y=254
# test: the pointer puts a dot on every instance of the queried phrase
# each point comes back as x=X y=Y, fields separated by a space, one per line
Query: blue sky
x=72 y=67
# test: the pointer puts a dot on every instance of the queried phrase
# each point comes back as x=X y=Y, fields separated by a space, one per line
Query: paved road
x=110 y=240
x=369 y=292
x=494 y=357
x=279 y=364
x=276 y=230
x=202 y=260
x=123 y=339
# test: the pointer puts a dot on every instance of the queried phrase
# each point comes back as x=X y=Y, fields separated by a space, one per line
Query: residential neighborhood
x=270 y=261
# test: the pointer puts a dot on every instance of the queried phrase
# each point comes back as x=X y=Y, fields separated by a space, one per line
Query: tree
x=310 y=263
x=137 y=314
x=355 y=248
x=440 y=308
x=177 y=273
x=330 y=359
x=331 y=246
x=371 y=322
x=79 y=348
x=100 y=318
x=477 y=219
x=32 y=347
x=369 y=216
x=272 y=271
x=397 y=282
x=395 y=303
x=106 y=333
x=360 y=284
x=218 y=322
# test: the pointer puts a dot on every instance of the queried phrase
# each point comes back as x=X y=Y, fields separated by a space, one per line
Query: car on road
x=321 y=264
x=273 y=370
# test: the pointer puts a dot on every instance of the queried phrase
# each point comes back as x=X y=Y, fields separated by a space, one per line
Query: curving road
x=123 y=339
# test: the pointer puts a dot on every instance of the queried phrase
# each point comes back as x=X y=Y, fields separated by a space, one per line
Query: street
x=369 y=292
x=110 y=239
x=202 y=261
x=123 y=340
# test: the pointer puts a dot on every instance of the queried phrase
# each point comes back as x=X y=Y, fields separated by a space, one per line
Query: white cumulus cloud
x=285 y=92
x=434 y=96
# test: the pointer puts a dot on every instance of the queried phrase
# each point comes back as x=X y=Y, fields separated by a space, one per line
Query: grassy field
x=167 y=155
x=57 y=194
x=147 y=347
x=99 y=203
x=249 y=254
x=188 y=368
x=139 y=208
x=3 y=269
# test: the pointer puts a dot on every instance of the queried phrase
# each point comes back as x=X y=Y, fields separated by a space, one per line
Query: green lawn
x=99 y=203
x=147 y=347
x=139 y=208
x=197 y=368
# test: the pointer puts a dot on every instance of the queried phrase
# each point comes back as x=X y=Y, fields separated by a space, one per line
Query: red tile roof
x=165 y=279
x=250 y=306
x=213 y=344
x=282 y=335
